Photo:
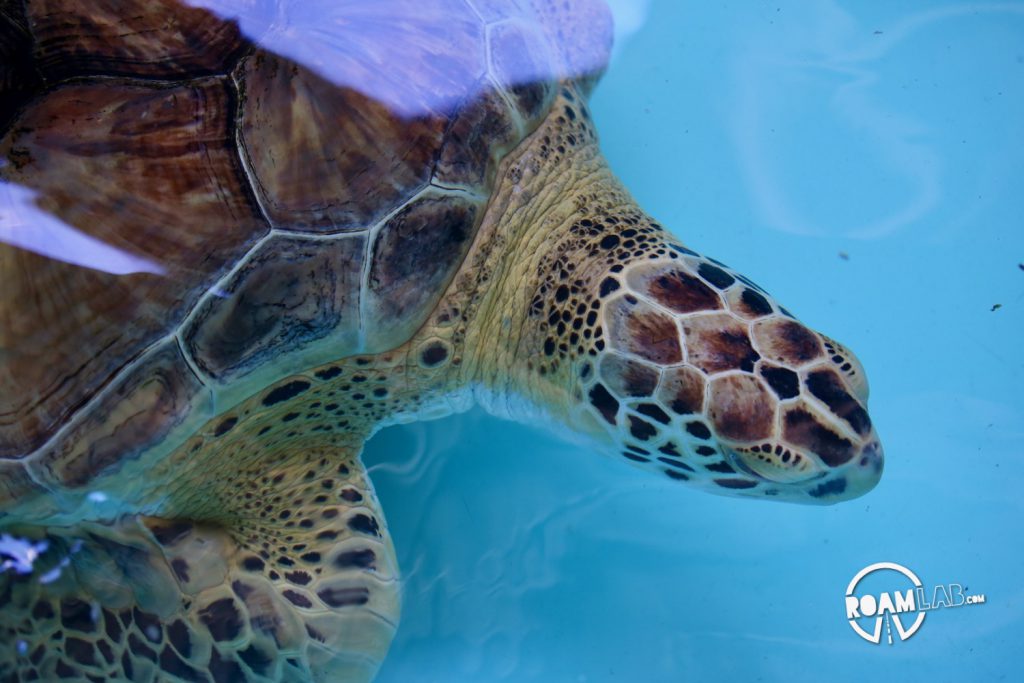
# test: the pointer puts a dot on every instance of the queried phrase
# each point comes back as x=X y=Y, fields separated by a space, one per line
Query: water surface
x=862 y=162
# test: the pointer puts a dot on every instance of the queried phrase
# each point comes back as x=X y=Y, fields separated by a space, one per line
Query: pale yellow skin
x=255 y=479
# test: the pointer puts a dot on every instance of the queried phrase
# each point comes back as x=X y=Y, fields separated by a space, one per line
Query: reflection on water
x=416 y=57
x=856 y=81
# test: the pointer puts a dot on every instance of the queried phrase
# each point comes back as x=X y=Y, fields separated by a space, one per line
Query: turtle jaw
x=826 y=485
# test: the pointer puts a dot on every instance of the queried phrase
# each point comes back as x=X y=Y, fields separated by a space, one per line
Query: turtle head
x=695 y=372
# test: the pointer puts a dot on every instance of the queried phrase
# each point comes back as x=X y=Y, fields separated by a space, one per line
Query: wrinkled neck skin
x=556 y=178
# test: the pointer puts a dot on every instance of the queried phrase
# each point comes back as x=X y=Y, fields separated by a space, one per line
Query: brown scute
x=325 y=157
x=291 y=293
x=717 y=343
x=681 y=292
x=787 y=341
x=642 y=330
x=801 y=428
x=741 y=409
x=682 y=390
x=146 y=38
x=483 y=130
x=626 y=377
x=414 y=256
x=126 y=165
x=748 y=303
x=140 y=410
x=827 y=386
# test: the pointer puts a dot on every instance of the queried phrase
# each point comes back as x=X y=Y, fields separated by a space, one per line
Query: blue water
x=863 y=162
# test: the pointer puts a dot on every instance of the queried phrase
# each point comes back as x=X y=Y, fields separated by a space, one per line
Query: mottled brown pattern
x=628 y=377
x=801 y=428
x=682 y=390
x=747 y=303
x=149 y=171
x=829 y=388
x=718 y=342
x=414 y=257
x=289 y=294
x=676 y=290
x=151 y=38
x=638 y=328
x=786 y=341
x=741 y=408
x=328 y=158
x=140 y=409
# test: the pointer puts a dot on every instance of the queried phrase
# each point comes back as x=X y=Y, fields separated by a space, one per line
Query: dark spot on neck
x=328 y=373
x=433 y=355
x=225 y=426
x=285 y=392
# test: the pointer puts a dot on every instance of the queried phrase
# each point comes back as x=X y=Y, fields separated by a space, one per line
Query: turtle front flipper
x=296 y=580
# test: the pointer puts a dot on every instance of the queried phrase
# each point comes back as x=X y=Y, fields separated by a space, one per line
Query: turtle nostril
x=871 y=461
x=871 y=454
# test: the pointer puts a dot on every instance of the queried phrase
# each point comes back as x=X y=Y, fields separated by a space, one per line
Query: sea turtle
x=238 y=238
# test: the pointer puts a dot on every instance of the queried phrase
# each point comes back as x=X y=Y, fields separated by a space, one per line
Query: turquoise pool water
x=863 y=162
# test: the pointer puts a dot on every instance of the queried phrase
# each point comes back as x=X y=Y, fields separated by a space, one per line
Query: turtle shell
x=200 y=198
